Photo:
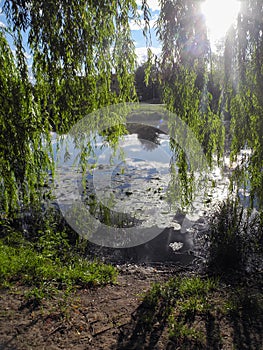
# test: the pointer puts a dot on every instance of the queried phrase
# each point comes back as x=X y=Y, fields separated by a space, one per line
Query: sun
x=219 y=15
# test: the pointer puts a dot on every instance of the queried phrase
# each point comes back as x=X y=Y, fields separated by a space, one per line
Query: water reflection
x=149 y=136
x=118 y=184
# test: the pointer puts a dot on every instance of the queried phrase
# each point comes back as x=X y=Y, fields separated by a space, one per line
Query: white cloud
x=141 y=53
x=2 y=25
x=153 y=4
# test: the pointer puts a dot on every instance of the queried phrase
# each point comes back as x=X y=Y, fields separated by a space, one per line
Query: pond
x=118 y=184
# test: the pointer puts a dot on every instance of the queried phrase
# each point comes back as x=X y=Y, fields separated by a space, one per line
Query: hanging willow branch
x=76 y=46
x=184 y=70
x=247 y=98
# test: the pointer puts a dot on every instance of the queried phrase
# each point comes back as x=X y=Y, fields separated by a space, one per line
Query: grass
x=186 y=296
x=46 y=263
x=30 y=267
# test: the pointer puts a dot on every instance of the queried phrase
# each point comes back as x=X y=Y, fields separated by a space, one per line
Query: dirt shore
x=110 y=317
x=91 y=319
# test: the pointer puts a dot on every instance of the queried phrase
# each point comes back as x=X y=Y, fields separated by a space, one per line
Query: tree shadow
x=213 y=336
x=232 y=320
x=247 y=321
x=146 y=326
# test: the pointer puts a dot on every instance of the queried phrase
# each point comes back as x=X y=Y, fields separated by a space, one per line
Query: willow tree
x=76 y=46
x=184 y=66
x=20 y=126
x=185 y=57
x=244 y=73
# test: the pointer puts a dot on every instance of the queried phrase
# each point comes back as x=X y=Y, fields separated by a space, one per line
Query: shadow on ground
x=231 y=319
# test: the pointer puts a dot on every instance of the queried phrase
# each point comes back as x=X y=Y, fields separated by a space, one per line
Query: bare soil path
x=88 y=319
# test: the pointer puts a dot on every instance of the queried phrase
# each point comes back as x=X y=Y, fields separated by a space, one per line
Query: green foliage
x=184 y=333
x=192 y=105
x=48 y=260
x=23 y=161
x=27 y=266
x=147 y=84
x=75 y=47
x=181 y=298
x=195 y=286
x=184 y=81
x=244 y=76
x=181 y=290
x=235 y=239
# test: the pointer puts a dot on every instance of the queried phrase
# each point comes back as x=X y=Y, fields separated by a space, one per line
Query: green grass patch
x=46 y=263
x=27 y=266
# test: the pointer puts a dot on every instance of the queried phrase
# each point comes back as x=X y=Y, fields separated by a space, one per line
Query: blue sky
x=137 y=35
x=9 y=38
x=2 y=17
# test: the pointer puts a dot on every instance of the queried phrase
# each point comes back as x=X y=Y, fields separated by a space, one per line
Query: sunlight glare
x=220 y=15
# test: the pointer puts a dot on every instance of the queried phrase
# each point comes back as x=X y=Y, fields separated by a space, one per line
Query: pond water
x=121 y=192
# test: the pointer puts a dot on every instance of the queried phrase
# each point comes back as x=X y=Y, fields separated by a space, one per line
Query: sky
x=219 y=16
x=9 y=38
x=137 y=35
x=2 y=19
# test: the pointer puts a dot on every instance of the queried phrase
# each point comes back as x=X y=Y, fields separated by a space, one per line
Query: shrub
x=235 y=238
